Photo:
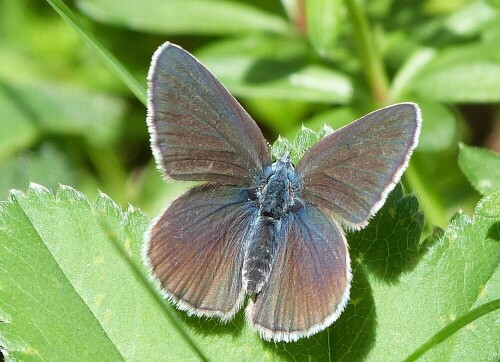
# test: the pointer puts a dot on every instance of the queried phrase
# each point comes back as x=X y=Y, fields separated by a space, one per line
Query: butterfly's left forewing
x=199 y=132
x=309 y=285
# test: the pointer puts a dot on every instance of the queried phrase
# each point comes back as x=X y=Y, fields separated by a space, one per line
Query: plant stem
x=370 y=59
x=454 y=327
x=113 y=64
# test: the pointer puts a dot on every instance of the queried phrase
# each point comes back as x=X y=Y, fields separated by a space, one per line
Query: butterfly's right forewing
x=351 y=171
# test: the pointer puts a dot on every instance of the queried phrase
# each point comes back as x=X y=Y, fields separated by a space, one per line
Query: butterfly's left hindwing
x=195 y=250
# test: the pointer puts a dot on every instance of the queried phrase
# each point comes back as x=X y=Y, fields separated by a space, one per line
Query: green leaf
x=390 y=244
x=439 y=127
x=490 y=208
x=274 y=67
x=304 y=139
x=66 y=293
x=281 y=147
x=63 y=110
x=32 y=166
x=481 y=167
x=459 y=273
x=208 y=17
x=454 y=327
x=16 y=128
x=471 y=18
x=462 y=74
x=55 y=252
x=323 y=24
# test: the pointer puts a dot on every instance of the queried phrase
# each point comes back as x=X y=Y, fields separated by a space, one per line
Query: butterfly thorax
x=275 y=197
x=276 y=194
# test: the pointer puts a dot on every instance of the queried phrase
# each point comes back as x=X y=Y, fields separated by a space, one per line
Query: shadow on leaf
x=269 y=70
x=213 y=326
x=390 y=244
x=494 y=232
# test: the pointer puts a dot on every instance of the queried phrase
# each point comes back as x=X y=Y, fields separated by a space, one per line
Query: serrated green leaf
x=54 y=252
x=323 y=24
x=490 y=207
x=65 y=235
x=390 y=245
x=274 y=67
x=481 y=167
x=66 y=294
x=281 y=147
x=214 y=17
x=304 y=139
x=459 y=272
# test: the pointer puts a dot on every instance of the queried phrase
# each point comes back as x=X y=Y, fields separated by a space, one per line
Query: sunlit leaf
x=185 y=17
x=459 y=272
x=482 y=168
x=463 y=74
x=66 y=293
x=323 y=24
x=274 y=67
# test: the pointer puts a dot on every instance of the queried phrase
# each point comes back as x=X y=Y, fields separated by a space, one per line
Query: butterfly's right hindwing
x=309 y=284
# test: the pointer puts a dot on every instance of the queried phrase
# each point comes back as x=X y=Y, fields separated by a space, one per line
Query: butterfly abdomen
x=259 y=255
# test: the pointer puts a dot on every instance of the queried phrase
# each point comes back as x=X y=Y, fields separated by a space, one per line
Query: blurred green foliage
x=292 y=64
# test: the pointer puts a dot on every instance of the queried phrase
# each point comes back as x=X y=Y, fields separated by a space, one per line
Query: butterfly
x=257 y=228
